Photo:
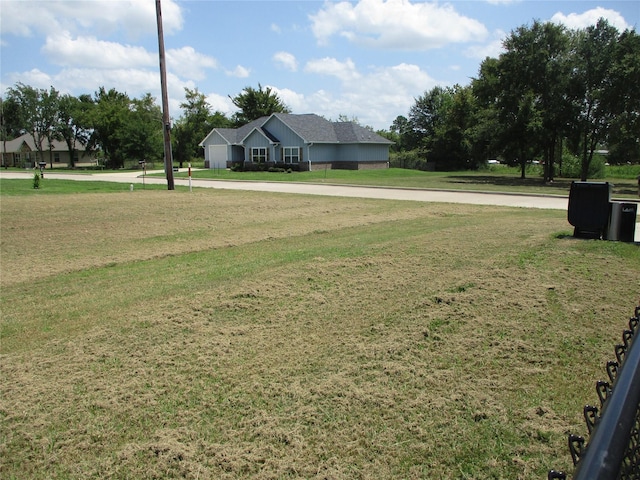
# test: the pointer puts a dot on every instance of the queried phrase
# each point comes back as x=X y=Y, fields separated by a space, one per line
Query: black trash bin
x=622 y=221
x=589 y=208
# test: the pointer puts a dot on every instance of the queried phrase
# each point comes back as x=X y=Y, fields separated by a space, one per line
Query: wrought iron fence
x=613 y=449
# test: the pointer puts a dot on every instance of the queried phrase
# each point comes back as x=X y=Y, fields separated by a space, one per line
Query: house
x=302 y=142
x=23 y=152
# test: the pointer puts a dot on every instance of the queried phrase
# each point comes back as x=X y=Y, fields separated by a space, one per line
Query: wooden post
x=166 y=120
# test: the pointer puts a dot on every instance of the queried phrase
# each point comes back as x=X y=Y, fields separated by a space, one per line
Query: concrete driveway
x=419 y=195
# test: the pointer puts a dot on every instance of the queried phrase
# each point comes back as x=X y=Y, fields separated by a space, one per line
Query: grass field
x=496 y=178
x=222 y=334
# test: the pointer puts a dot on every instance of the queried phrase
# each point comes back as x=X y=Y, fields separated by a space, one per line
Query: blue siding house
x=304 y=142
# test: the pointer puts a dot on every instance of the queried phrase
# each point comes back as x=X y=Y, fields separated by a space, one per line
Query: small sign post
x=143 y=163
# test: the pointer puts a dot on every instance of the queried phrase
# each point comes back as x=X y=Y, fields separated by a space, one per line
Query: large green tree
x=401 y=134
x=624 y=134
x=11 y=125
x=440 y=123
x=597 y=100
x=126 y=129
x=142 y=135
x=427 y=113
x=73 y=126
x=510 y=123
x=254 y=104
x=533 y=80
x=108 y=118
x=453 y=140
x=38 y=109
x=194 y=124
x=49 y=108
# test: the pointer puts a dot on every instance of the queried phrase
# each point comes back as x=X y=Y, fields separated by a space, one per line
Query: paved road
x=510 y=200
x=472 y=198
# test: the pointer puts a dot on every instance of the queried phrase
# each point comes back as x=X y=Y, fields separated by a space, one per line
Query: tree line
x=120 y=128
x=554 y=94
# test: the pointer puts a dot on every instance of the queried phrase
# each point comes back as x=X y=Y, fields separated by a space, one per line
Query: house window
x=259 y=155
x=291 y=154
x=56 y=157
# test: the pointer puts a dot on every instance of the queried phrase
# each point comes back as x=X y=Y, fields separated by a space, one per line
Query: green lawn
x=497 y=178
x=62 y=187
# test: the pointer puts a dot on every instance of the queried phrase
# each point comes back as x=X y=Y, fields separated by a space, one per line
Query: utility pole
x=166 y=120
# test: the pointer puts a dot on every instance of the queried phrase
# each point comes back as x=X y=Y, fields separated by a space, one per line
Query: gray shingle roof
x=15 y=145
x=310 y=127
x=229 y=134
x=349 y=132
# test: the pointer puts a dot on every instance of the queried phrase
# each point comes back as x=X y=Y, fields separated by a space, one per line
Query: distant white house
x=23 y=152
x=306 y=142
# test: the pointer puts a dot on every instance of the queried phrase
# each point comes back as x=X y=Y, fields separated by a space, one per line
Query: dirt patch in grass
x=351 y=339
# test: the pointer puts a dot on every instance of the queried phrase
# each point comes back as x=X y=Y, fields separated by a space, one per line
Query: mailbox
x=42 y=165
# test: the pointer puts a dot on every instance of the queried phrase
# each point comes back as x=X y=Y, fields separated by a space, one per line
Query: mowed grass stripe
x=73 y=301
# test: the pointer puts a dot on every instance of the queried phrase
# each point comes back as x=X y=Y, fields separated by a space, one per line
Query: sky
x=366 y=59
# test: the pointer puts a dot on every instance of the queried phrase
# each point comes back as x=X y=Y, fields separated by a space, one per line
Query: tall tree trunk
x=584 y=164
x=552 y=156
x=559 y=154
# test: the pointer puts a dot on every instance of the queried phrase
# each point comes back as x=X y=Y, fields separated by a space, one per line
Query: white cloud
x=492 y=49
x=221 y=103
x=502 y=2
x=239 y=72
x=375 y=96
x=345 y=71
x=132 y=81
x=591 y=17
x=369 y=96
x=188 y=63
x=395 y=24
x=275 y=28
x=387 y=89
x=133 y=17
x=286 y=60
x=295 y=101
x=89 y=52
x=35 y=78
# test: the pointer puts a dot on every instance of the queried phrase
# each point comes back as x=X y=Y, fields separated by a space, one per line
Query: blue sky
x=367 y=59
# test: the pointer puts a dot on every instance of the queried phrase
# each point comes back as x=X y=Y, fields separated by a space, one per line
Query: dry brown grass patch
x=352 y=339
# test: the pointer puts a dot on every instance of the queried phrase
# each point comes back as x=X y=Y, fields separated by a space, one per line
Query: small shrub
x=36 y=180
x=572 y=166
x=411 y=159
x=623 y=171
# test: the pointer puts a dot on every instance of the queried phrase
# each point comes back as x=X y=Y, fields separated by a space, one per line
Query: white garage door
x=217 y=156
